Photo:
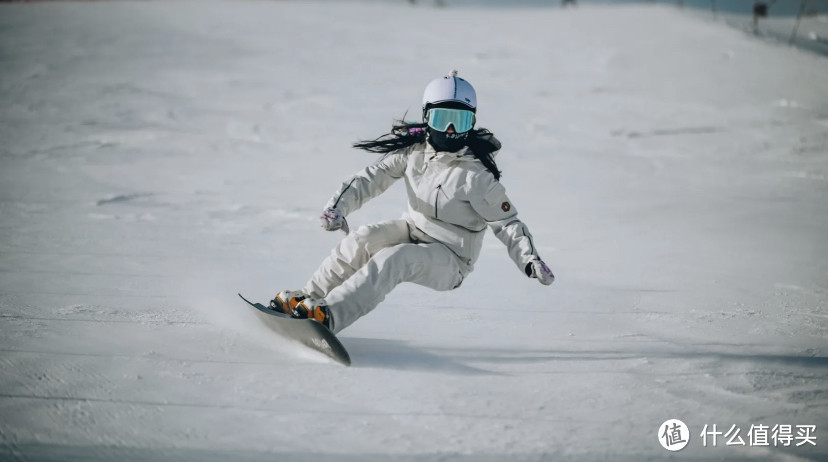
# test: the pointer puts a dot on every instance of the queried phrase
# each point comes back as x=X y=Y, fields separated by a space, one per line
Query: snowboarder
x=454 y=194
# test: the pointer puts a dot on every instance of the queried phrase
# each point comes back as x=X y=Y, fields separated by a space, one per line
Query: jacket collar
x=463 y=153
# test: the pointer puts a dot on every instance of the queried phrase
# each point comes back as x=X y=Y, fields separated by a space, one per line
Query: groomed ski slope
x=159 y=157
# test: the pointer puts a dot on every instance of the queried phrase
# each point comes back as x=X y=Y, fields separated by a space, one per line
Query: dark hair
x=481 y=142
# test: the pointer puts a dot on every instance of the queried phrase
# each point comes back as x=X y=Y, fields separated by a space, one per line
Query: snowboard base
x=312 y=334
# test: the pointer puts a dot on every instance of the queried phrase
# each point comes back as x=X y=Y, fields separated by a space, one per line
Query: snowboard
x=312 y=334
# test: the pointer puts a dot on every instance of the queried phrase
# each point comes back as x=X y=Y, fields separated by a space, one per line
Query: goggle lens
x=440 y=119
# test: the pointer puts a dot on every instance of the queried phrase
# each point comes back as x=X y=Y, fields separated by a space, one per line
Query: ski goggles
x=440 y=119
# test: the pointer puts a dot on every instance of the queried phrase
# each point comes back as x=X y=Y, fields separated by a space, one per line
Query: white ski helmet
x=450 y=91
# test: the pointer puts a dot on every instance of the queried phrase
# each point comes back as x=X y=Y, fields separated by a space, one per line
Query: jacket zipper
x=437 y=198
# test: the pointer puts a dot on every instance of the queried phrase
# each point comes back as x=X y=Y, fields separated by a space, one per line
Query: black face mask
x=450 y=142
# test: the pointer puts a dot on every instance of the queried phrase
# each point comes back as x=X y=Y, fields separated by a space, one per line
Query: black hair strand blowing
x=481 y=142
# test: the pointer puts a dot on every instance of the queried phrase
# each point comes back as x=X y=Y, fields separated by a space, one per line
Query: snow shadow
x=400 y=355
x=497 y=356
x=122 y=198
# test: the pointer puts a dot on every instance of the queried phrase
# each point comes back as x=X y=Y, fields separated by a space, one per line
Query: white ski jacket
x=452 y=197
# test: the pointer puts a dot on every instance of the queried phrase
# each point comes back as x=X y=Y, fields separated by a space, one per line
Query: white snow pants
x=371 y=261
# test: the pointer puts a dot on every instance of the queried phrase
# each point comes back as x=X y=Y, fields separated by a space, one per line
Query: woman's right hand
x=537 y=269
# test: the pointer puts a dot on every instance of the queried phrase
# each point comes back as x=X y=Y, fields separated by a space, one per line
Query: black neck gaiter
x=450 y=142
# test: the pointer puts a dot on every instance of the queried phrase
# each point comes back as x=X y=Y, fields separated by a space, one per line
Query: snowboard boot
x=308 y=308
x=296 y=304
x=286 y=300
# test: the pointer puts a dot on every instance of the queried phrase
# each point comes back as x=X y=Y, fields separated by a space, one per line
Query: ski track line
x=159 y=357
x=281 y=411
x=229 y=258
x=105 y=321
x=550 y=311
x=148 y=356
x=99 y=295
x=81 y=273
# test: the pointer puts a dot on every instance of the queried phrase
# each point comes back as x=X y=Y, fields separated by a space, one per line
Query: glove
x=537 y=269
x=332 y=220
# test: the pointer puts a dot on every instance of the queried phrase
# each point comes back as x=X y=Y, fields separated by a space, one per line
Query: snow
x=158 y=158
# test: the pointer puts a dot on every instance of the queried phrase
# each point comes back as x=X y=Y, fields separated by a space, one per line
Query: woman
x=453 y=195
